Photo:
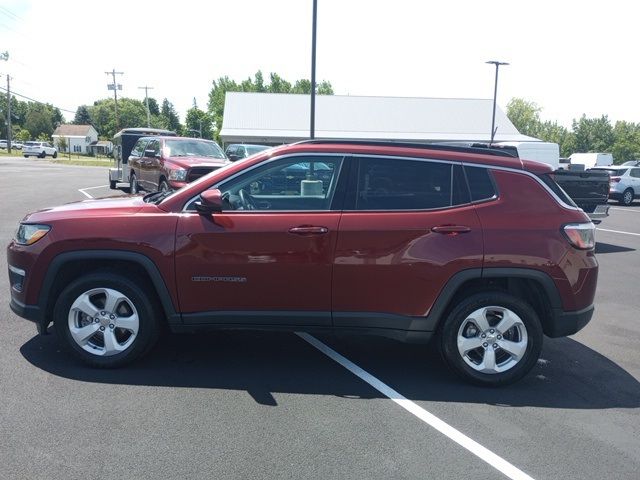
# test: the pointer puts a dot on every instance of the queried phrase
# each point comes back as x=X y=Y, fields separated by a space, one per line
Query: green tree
x=593 y=134
x=62 y=143
x=82 y=117
x=277 y=84
x=169 y=117
x=525 y=116
x=131 y=113
x=39 y=120
x=154 y=109
x=21 y=134
x=198 y=123
x=626 y=145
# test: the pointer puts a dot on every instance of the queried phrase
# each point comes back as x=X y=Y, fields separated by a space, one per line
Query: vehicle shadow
x=609 y=248
x=569 y=374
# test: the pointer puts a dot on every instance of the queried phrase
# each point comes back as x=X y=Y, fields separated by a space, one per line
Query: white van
x=544 y=152
x=590 y=160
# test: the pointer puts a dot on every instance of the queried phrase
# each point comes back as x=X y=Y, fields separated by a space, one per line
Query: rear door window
x=408 y=184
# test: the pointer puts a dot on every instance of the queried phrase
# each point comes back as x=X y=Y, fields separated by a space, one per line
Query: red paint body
x=389 y=262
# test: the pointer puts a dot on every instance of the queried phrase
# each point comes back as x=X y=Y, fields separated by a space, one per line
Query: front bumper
x=33 y=313
x=568 y=323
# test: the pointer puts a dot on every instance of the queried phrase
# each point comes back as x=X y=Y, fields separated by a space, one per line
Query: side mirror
x=210 y=202
x=233 y=157
x=151 y=153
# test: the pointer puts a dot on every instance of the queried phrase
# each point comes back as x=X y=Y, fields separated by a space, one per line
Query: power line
x=37 y=101
x=9 y=13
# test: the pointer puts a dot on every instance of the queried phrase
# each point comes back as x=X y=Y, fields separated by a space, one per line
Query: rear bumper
x=599 y=213
x=568 y=323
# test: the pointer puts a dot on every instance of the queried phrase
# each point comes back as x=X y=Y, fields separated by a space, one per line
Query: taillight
x=581 y=235
x=614 y=179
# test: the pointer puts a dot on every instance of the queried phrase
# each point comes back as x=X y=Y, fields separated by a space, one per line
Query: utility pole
x=115 y=87
x=5 y=56
x=146 y=99
x=8 y=113
x=495 y=94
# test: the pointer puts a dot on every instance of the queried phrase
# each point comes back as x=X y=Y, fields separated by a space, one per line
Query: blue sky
x=568 y=56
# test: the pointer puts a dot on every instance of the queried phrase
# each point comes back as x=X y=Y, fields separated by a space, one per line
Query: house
x=78 y=138
x=275 y=118
x=101 y=147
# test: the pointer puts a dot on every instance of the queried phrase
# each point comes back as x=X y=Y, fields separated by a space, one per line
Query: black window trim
x=350 y=201
x=336 y=204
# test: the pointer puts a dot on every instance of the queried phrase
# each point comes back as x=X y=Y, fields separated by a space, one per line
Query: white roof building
x=275 y=118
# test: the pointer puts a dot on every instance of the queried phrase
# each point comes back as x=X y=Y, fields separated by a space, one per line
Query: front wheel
x=491 y=339
x=627 y=197
x=106 y=320
x=55 y=155
x=164 y=186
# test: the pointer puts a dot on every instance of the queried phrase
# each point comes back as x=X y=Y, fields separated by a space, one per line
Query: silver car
x=624 y=183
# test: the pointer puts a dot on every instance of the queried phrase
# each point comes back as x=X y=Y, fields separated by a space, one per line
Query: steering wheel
x=247 y=201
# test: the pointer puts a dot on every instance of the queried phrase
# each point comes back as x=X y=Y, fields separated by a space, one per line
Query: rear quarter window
x=481 y=183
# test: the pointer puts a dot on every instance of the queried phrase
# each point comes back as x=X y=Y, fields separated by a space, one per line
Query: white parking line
x=618 y=231
x=82 y=190
x=460 y=438
x=625 y=209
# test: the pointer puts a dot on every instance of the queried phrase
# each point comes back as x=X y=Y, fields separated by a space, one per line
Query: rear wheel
x=106 y=320
x=627 y=197
x=492 y=339
x=42 y=154
x=112 y=184
x=133 y=184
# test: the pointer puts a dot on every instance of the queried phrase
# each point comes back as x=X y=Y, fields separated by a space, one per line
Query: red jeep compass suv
x=471 y=246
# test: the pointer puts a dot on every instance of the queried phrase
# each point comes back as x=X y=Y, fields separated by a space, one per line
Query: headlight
x=178 y=174
x=29 y=234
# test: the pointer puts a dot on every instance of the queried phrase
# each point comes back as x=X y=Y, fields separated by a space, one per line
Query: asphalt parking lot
x=264 y=405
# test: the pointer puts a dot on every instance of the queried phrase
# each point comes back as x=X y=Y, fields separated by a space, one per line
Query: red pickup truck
x=161 y=163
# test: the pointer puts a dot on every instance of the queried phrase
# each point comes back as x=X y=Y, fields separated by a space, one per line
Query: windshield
x=193 y=148
x=251 y=149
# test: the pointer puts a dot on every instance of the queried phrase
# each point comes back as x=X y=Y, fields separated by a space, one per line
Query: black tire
x=55 y=155
x=42 y=154
x=148 y=313
x=134 y=188
x=451 y=331
x=626 y=198
x=112 y=184
x=164 y=186
x=26 y=156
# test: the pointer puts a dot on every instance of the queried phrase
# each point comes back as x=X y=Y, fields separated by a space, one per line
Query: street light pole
x=495 y=94
x=312 y=127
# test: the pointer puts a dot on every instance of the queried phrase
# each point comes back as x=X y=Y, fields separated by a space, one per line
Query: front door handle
x=451 y=229
x=305 y=230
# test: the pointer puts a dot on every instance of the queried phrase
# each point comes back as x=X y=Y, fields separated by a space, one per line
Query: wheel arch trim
x=60 y=260
x=453 y=285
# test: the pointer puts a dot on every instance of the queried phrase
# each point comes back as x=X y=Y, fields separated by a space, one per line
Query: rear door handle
x=451 y=229
x=308 y=230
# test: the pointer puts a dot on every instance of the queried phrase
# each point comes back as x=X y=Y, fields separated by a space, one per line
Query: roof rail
x=462 y=147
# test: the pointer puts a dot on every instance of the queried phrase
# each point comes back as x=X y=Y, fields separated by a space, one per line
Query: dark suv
x=161 y=163
x=471 y=246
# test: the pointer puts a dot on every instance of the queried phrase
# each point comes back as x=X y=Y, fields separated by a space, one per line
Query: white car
x=39 y=149
x=624 y=183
